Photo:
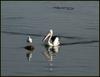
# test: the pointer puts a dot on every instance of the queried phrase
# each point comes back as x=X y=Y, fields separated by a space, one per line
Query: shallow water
x=75 y=23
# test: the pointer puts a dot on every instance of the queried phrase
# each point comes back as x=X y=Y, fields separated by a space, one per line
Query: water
x=77 y=25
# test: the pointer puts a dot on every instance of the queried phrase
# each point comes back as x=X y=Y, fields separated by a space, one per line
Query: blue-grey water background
x=75 y=22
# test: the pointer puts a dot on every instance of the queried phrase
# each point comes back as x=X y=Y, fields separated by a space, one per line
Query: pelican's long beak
x=46 y=36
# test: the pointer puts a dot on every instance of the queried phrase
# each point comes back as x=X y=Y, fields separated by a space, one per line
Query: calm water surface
x=76 y=24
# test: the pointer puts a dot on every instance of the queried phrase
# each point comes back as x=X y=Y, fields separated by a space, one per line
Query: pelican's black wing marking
x=53 y=38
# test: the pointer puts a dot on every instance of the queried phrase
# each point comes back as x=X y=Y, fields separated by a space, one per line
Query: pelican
x=29 y=39
x=51 y=40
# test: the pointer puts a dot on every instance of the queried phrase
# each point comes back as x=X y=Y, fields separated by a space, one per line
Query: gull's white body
x=29 y=39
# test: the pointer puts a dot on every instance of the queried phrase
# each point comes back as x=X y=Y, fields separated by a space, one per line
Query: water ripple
x=14 y=18
x=81 y=42
x=66 y=8
x=19 y=33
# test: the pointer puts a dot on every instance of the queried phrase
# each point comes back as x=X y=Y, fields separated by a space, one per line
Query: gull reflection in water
x=30 y=49
x=50 y=54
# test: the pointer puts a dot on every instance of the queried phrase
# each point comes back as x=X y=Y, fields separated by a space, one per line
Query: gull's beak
x=46 y=36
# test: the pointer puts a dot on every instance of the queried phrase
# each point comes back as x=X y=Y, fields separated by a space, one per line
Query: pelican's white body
x=49 y=41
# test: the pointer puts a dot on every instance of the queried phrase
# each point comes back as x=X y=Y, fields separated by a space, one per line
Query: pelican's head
x=29 y=37
x=50 y=33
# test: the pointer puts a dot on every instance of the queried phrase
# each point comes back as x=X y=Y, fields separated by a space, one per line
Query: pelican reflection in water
x=50 y=54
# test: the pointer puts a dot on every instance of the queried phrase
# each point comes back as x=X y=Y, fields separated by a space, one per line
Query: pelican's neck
x=29 y=37
x=49 y=40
